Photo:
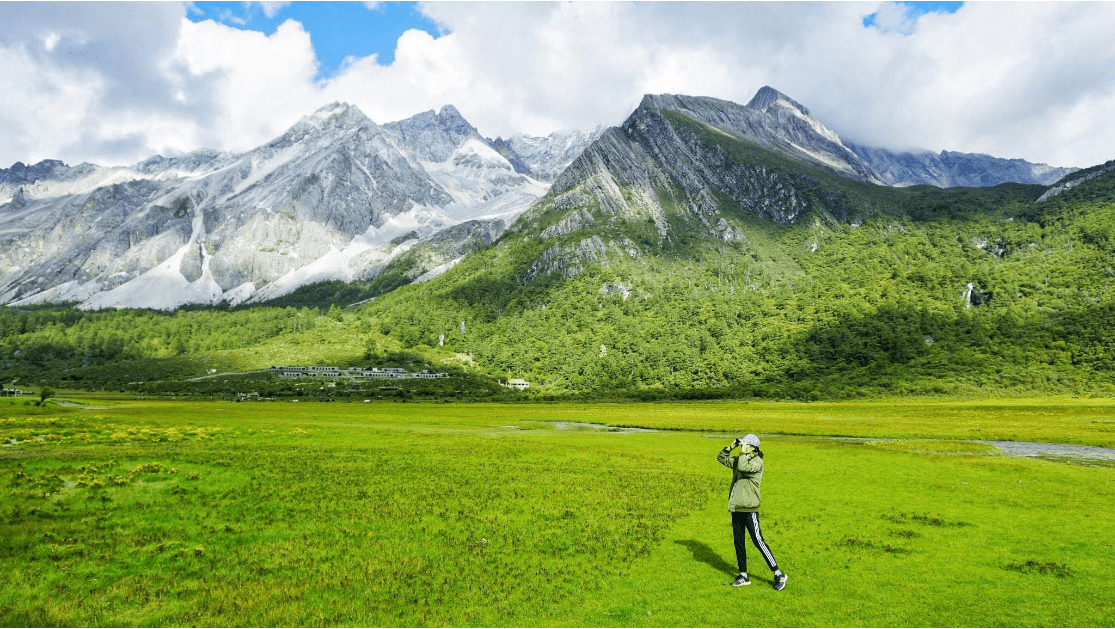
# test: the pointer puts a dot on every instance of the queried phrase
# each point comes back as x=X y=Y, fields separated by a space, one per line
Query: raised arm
x=725 y=457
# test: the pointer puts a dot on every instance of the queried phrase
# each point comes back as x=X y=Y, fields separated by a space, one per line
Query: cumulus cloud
x=115 y=83
x=261 y=84
x=90 y=82
x=997 y=78
x=892 y=17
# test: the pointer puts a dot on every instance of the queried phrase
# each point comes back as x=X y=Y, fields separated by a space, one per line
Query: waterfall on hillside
x=968 y=295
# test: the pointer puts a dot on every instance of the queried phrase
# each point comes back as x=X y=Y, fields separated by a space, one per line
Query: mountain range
x=705 y=247
x=338 y=197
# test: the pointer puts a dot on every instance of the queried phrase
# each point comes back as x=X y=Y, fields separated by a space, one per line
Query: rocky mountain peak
x=451 y=120
x=21 y=173
x=772 y=120
x=768 y=96
x=432 y=136
x=544 y=158
x=340 y=116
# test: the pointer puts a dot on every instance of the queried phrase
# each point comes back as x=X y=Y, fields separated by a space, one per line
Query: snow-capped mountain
x=335 y=197
x=545 y=157
x=338 y=197
x=483 y=184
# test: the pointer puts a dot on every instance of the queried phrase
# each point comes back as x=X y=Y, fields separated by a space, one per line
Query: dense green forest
x=917 y=291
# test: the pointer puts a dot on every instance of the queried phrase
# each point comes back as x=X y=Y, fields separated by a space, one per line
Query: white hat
x=751 y=440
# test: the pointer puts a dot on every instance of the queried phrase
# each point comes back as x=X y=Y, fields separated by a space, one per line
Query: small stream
x=1052 y=450
x=558 y=425
x=1031 y=449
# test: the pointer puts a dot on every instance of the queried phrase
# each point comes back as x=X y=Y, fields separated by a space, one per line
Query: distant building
x=352 y=372
x=517 y=383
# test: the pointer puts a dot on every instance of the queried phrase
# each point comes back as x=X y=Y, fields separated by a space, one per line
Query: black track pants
x=742 y=524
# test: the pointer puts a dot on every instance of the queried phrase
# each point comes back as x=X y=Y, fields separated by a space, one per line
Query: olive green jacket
x=747 y=475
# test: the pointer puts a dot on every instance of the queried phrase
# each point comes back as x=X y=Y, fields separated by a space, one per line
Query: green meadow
x=157 y=513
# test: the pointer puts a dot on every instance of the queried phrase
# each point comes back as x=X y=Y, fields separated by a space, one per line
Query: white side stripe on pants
x=760 y=543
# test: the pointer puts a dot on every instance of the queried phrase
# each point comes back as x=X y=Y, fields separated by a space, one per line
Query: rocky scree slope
x=334 y=197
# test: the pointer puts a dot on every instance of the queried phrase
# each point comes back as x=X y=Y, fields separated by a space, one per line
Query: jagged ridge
x=324 y=200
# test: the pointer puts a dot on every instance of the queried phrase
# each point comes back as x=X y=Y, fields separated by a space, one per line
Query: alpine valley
x=702 y=247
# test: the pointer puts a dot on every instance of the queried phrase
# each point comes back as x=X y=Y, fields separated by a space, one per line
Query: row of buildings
x=355 y=373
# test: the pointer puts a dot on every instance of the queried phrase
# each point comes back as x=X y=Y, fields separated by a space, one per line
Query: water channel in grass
x=1032 y=449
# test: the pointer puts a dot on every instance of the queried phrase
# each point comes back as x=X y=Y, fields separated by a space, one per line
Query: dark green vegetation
x=876 y=303
x=222 y=514
x=219 y=353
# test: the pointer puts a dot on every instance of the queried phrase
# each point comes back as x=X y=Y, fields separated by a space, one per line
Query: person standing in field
x=743 y=504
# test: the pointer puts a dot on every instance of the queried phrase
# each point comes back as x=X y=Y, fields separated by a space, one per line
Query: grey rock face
x=428 y=258
x=321 y=201
x=504 y=148
x=627 y=171
x=19 y=199
x=949 y=169
x=432 y=136
x=349 y=178
x=574 y=221
x=21 y=173
x=568 y=260
x=774 y=121
x=1073 y=181
x=13 y=180
x=327 y=199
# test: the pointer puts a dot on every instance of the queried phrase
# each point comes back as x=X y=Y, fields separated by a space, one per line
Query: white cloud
x=86 y=81
x=271 y=9
x=261 y=83
x=994 y=77
x=892 y=17
x=116 y=82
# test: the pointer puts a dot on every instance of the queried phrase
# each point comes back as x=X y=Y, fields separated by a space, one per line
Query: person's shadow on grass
x=705 y=554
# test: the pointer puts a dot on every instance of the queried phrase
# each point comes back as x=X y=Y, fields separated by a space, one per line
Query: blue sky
x=915 y=10
x=338 y=30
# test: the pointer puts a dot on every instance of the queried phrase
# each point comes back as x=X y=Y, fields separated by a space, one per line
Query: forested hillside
x=825 y=310
x=873 y=291
x=915 y=290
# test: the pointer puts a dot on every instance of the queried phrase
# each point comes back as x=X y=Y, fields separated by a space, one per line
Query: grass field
x=149 y=513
